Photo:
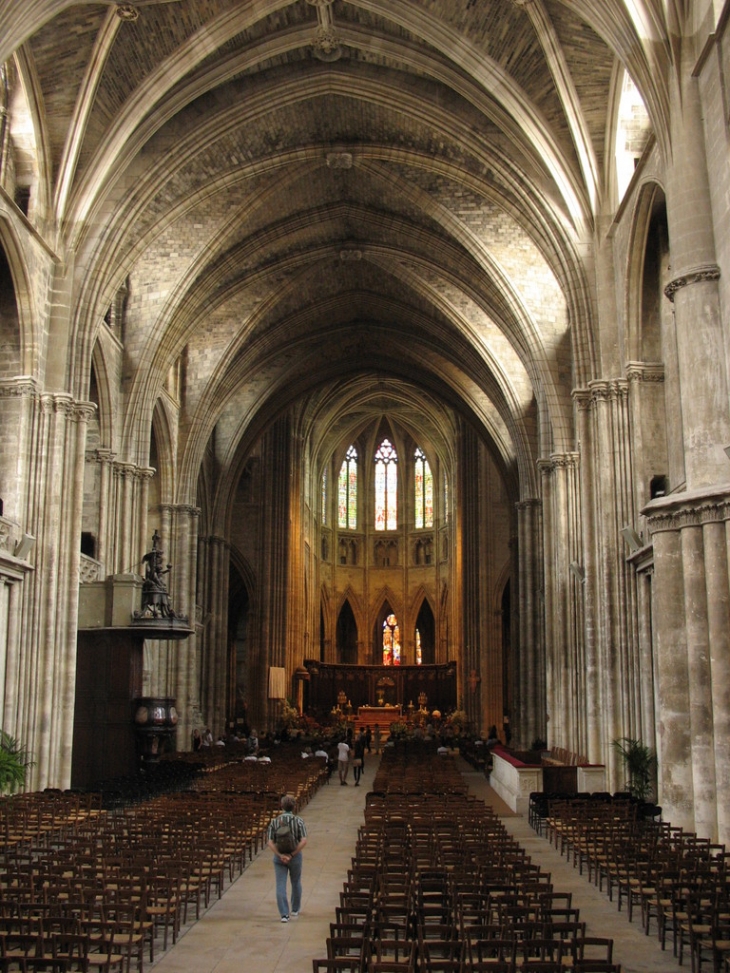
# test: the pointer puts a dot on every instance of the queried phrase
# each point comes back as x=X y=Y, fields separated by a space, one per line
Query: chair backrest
x=340 y=964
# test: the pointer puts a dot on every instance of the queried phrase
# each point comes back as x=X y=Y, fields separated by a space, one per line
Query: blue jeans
x=292 y=868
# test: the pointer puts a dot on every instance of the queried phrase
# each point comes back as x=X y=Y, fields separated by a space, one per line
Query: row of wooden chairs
x=124 y=881
x=674 y=881
x=437 y=885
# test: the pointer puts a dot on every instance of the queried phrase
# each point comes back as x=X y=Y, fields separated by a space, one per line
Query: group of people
x=205 y=739
x=287 y=834
x=351 y=751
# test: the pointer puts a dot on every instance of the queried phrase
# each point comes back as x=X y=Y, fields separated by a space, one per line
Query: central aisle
x=243 y=931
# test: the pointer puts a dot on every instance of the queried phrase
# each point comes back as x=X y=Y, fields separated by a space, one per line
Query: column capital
x=564 y=461
x=697 y=275
x=679 y=511
x=103 y=456
x=57 y=402
x=644 y=371
x=181 y=508
x=83 y=411
x=607 y=390
x=21 y=386
x=583 y=399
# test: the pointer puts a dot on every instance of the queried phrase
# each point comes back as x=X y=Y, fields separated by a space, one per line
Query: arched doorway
x=425 y=636
x=346 y=635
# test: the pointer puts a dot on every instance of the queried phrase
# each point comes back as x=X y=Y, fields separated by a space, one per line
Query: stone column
x=11 y=665
x=691 y=593
x=182 y=681
x=694 y=292
x=553 y=727
x=564 y=582
x=18 y=432
x=46 y=665
x=591 y=666
x=472 y=652
x=105 y=548
x=717 y=572
x=62 y=718
x=700 y=688
x=529 y=717
x=269 y=647
x=297 y=609
x=215 y=699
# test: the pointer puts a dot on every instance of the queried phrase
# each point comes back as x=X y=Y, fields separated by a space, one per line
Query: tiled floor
x=242 y=933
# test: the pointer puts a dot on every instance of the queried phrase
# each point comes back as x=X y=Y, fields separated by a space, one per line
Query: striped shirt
x=297 y=826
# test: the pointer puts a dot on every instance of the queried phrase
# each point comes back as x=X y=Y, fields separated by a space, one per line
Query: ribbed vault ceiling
x=360 y=206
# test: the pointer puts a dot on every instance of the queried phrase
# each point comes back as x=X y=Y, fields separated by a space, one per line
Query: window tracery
x=423 y=490
x=386 y=487
x=347 y=491
x=391 y=642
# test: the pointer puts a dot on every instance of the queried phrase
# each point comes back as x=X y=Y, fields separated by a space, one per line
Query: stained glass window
x=325 y=491
x=386 y=487
x=391 y=641
x=423 y=481
x=347 y=491
x=446 y=498
x=419 y=652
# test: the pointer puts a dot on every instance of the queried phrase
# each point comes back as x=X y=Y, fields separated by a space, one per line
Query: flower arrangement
x=457 y=720
x=398 y=730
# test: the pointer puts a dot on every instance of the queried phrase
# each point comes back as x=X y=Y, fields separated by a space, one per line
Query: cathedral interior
x=398 y=325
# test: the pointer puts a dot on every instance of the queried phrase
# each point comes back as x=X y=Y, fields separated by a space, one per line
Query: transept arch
x=10 y=328
x=19 y=330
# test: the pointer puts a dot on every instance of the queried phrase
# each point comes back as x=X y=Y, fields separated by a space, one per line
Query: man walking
x=287 y=836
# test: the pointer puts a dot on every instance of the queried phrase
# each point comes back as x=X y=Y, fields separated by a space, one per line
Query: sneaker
x=295 y=915
x=285 y=918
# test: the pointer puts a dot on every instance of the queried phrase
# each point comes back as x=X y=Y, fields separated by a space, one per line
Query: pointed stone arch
x=17 y=336
x=424 y=621
x=161 y=440
x=651 y=348
x=387 y=602
x=325 y=624
x=346 y=635
x=100 y=376
x=242 y=611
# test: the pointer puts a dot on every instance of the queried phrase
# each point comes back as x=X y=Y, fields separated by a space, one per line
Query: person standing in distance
x=343 y=760
x=288 y=856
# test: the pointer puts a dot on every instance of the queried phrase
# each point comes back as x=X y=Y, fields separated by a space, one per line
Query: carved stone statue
x=155 y=596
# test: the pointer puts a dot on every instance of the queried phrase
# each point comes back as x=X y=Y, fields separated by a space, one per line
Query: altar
x=385 y=690
x=382 y=716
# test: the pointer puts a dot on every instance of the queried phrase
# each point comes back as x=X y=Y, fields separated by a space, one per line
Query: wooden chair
x=339 y=964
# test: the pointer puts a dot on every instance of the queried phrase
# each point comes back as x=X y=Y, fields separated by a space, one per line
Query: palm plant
x=640 y=764
x=14 y=764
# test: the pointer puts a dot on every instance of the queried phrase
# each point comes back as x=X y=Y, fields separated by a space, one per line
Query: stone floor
x=242 y=930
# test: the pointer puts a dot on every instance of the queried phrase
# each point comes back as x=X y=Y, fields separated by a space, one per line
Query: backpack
x=284 y=836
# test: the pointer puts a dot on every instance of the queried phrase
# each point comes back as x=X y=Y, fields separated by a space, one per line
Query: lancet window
x=386 y=487
x=391 y=641
x=347 y=491
x=423 y=487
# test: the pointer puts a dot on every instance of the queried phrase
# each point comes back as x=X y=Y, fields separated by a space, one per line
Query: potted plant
x=14 y=764
x=640 y=764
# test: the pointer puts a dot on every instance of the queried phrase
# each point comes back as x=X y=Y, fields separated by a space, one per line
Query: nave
x=242 y=931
